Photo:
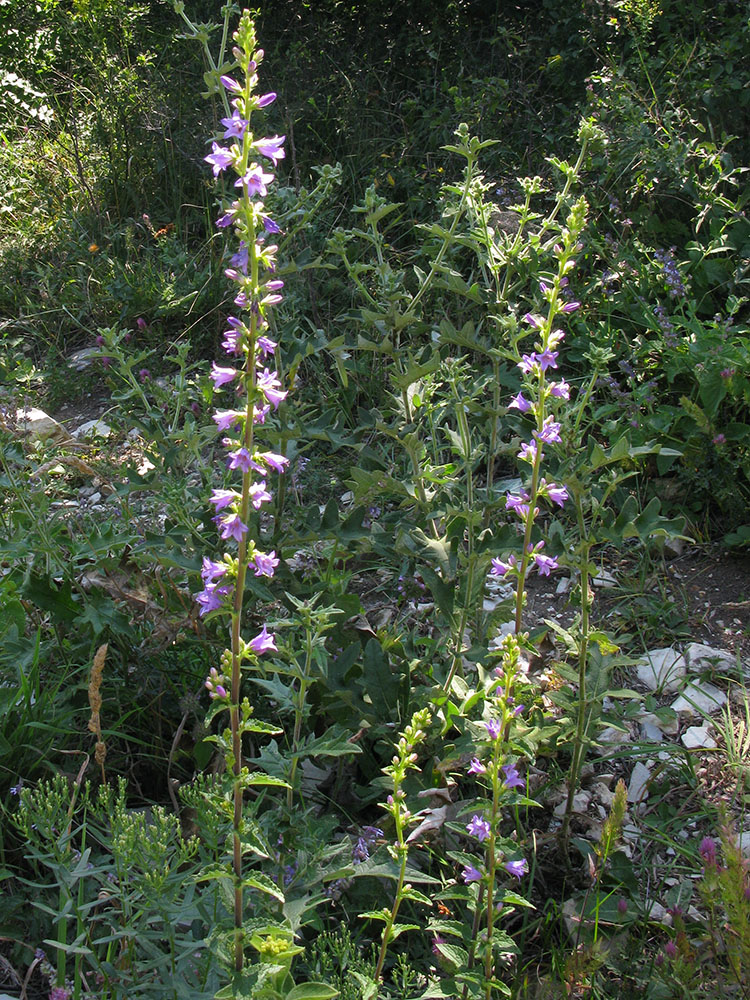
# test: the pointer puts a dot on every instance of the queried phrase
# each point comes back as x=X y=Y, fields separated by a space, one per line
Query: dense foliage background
x=108 y=245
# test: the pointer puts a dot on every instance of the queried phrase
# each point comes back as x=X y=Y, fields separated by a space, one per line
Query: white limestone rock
x=40 y=426
x=92 y=428
x=698 y=738
x=662 y=669
x=639 y=779
x=702 y=657
x=699 y=699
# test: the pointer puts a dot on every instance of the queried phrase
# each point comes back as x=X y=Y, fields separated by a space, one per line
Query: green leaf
x=419 y=897
x=453 y=953
x=261 y=882
x=312 y=991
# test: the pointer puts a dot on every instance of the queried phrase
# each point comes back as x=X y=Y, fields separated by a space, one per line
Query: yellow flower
x=93 y=247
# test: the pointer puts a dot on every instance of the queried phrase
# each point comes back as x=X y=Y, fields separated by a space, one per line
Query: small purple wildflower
x=512 y=777
x=222 y=376
x=479 y=827
x=517 y=868
x=471 y=874
x=219 y=158
x=520 y=403
x=476 y=767
x=264 y=642
x=232 y=527
x=500 y=568
x=544 y=564
x=494 y=728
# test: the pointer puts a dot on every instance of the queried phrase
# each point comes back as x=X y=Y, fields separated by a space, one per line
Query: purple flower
x=707 y=851
x=266 y=346
x=670 y=949
x=512 y=777
x=437 y=940
x=276 y=462
x=144 y=374
x=527 y=362
x=266 y=99
x=265 y=563
x=570 y=307
x=209 y=599
x=141 y=323
x=528 y=452
x=557 y=494
x=235 y=127
x=561 y=390
x=471 y=874
x=232 y=527
x=547 y=359
x=544 y=563
x=719 y=439
x=230 y=84
x=222 y=376
x=269 y=385
x=219 y=158
x=532 y=320
x=254 y=181
x=479 y=827
x=225 y=418
x=550 y=431
x=519 y=402
x=500 y=568
x=263 y=642
x=227 y=218
x=212 y=571
x=494 y=728
x=517 y=868
x=271 y=148
x=240 y=459
x=476 y=767
x=258 y=495
x=223 y=498
x=269 y=225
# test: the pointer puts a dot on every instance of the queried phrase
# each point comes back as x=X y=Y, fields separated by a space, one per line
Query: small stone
x=661 y=668
x=95 y=498
x=702 y=657
x=699 y=699
x=93 y=428
x=604 y=579
x=563 y=585
x=38 y=425
x=659 y=914
x=743 y=842
x=697 y=738
x=674 y=547
x=581 y=802
x=669 y=726
x=637 y=789
x=611 y=737
x=605 y=795
x=80 y=360
x=651 y=733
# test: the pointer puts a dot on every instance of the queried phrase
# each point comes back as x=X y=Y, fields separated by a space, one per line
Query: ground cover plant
x=340 y=650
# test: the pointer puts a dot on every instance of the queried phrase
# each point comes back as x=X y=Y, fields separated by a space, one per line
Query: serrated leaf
x=453 y=953
x=261 y=882
x=417 y=896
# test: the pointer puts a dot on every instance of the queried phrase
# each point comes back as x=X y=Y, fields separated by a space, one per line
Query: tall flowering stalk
x=541 y=395
x=250 y=373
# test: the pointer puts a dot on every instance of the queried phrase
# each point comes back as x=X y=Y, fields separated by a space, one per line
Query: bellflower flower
x=494 y=728
x=471 y=874
x=271 y=148
x=219 y=158
x=520 y=403
x=517 y=868
x=512 y=777
x=222 y=376
x=476 y=767
x=479 y=827
x=264 y=642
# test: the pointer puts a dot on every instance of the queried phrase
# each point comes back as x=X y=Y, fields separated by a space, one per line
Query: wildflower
x=622 y=905
x=265 y=100
x=240 y=459
x=512 y=777
x=271 y=148
x=93 y=247
x=258 y=495
x=727 y=372
x=263 y=642
x=707 y=851
x=670 y=949
x=517 y=868
x=479 y=827
x=219 y=158
x=232 y=527
x=719 y=439
x=266 y=346
x=235 y=127
x=557 y=494
x=212 y=571
x=500 y=568
x=254 y=181
x=209 y=599
x=144 y=375
x=276 y=462
x=222 y=376
x=225 y=418
x=141 y=323
x=223 y=498
x=560 y=390
x=520 y=403
x=494 y=728
x=268 y=383
x=476 y=767
x=231 y=84
x=265 y=563
x=570 y=307
x=548 y=359
x=528 y=452
x=544 y=564
x=471 y=874
x=550 y=431
x=436 y=941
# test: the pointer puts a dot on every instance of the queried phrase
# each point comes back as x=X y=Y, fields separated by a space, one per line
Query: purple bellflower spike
x=476 y=767
x=266 y=346
x=209 y=599
x=231 y=84
x=517 y=868
x=269 y=225
x=570 y=307
x=259 y=495
x=240 y=459
x=528 y=452
x=276 y=462
x=527 y=362
x=557 y=494
x=479 y=827
x=471 y=874
x=547 y=359
x=212 y=571
x=264 y=642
